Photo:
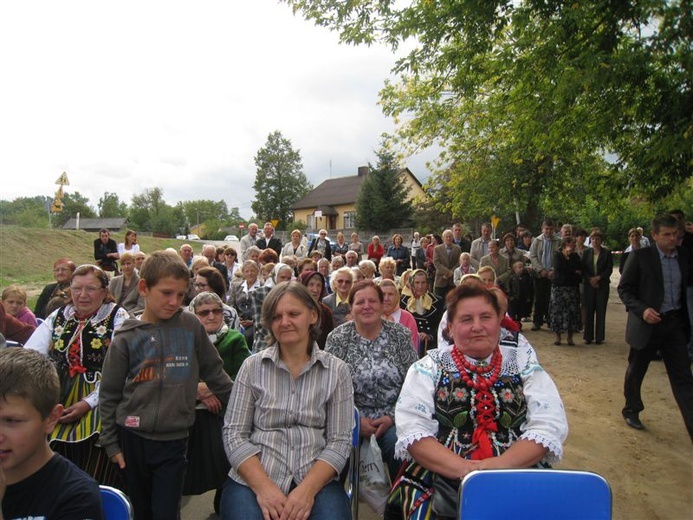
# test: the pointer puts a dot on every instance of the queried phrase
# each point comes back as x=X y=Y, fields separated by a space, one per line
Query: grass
x=27 y=254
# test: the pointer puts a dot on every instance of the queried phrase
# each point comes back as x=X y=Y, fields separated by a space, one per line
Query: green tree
x=110 y=206
x=382 y=202
x=26 y=211
x=150 y=212
x=73 y=204
x=524 y=94
x=279 y=181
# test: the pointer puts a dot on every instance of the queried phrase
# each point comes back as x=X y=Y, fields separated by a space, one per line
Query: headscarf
x=305 y=277
x=272 y=280
x=209 y=297
x=422 y=303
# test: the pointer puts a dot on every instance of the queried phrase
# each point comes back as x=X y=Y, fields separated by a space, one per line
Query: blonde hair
x=14 y=290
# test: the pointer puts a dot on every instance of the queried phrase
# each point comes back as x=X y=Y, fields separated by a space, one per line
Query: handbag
x=445 y=499
x=374 y=484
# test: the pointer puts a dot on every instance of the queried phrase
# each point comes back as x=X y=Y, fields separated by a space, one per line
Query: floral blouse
x=434 y=402
x=378 y=367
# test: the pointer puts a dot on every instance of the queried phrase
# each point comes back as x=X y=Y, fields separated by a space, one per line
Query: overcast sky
x=129 y=95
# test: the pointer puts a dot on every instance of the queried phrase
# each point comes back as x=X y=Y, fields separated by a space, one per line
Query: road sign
x=62 y=180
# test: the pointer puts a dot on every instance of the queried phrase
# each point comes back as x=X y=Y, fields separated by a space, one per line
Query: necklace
x=467 y=370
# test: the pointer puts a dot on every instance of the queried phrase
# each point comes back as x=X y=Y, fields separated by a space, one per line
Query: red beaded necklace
x=466 y=368
x=483 y=403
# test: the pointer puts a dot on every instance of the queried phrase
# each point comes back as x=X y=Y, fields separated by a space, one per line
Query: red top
x=375 y=254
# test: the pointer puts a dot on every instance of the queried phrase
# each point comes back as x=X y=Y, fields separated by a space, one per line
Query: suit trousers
x=669 y=338
x=595 y=311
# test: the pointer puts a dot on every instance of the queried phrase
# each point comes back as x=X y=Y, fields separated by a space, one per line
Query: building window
x=350 y=219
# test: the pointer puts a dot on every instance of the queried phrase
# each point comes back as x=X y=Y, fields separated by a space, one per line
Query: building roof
x=96 y=224
x=338 y=191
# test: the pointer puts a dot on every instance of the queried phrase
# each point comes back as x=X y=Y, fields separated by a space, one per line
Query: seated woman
x=341 y=282
x=378 y=353
x=368 y=268
x=280 y=273
x=124 y=287
x=210 y=279
x=287 y=429
x=239 y=297
x=388 y=270
x=426 y=307
x=129 y=244
x=394 y=313
x=315 y=282
x=62 y=272
x=207 y=464
x=14 y=300
x=483 y=403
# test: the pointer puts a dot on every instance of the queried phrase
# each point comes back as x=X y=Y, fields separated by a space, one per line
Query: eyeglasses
x=207 y=312
x=88 y=289
x=199 y=285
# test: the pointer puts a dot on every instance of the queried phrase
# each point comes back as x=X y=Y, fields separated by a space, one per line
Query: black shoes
x=634 y=422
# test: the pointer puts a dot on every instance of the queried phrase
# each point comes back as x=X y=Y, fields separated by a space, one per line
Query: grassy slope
x=27 y=254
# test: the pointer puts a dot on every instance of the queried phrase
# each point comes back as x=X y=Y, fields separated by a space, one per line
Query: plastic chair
x=534 y=494
x=116 y=504
x=352 y=481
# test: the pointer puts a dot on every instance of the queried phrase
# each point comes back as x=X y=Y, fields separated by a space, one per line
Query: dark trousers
x=542 y=296
x=155 y=471
x=595 y=311
x=668 y=337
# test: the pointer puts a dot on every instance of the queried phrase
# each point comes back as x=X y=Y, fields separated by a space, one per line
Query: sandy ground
x=650 y=471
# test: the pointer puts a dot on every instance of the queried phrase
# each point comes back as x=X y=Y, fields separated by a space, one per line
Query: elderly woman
x=483 y=403
x=399 y=253
x=124 y=287
x=341 y=282
x=241 y=300
x=76 y=337
x=62 y=272
x=564 y=306
x=510 y=250
x=280 y=273
x=388 y=268
x=375 y=250
x=295 y=247
x=597 y=267
x=368 y=268
x=378 y=353
x=340 y=247
x=394 y=313
x=427 y=309
x=207 y=464
x=315 y=283
x=287 y=430
x=209 y=279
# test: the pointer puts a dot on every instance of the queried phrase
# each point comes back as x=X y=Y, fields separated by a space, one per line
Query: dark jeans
x=239 y=502
x=155 y=472
x=595 y=311
x=668 y=337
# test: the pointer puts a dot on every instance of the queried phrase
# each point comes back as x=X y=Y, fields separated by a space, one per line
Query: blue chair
x=534 y=494
x=352 y=481
x=116 y=504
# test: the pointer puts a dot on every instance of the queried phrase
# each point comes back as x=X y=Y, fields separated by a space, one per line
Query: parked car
x=193 y=236
x=231 y=238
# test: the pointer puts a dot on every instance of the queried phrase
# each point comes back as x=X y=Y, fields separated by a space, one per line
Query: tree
x=73 y=204
x=382 y=202
x=149 y=212
x=279 y=181
x=110 y=206
x=524 y=93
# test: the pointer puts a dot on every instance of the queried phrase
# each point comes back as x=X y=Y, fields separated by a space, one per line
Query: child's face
x=464 y=261
x=487 y=278
x=518 y=268
x=23 y=445
x=13 y=304
x=163 y=299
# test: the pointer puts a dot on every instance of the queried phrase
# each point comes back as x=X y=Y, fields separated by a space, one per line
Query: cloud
x=180 y=96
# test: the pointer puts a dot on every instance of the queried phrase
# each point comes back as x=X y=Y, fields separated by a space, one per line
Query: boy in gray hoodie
x=149 y=388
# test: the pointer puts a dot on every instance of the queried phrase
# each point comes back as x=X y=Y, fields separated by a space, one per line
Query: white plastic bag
x=374 y=484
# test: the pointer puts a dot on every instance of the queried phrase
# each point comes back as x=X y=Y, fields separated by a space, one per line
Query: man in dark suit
x=446 y=258
x=268 y=240
x=653 y=289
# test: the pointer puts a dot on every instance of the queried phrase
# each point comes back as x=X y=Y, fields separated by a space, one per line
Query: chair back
x=116 y=504
x=352 y=482
x=534 y=494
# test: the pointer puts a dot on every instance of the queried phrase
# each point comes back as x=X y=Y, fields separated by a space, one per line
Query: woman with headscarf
x=427 y=309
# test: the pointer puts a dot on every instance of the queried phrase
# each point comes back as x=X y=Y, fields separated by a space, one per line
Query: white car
x=193 y=236
x=231 y=238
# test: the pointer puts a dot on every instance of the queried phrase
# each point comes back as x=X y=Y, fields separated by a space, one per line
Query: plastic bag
x=374 y=484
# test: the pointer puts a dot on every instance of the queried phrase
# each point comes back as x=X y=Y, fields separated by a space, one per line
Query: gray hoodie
x=150 y=376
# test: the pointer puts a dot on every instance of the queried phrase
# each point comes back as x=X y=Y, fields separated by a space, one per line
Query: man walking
x=653 y=289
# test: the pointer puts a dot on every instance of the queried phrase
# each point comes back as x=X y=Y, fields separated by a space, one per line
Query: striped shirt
x=289 y=423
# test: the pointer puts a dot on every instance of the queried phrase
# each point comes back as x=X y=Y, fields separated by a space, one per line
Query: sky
x=129 y=96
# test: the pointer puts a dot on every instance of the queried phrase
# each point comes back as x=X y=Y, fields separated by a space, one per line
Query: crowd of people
x=237 y=370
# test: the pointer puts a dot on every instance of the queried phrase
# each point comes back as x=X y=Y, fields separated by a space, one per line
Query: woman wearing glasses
x=62 y=272
x=209 y=279
x=207 y=463
x=76 y=337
